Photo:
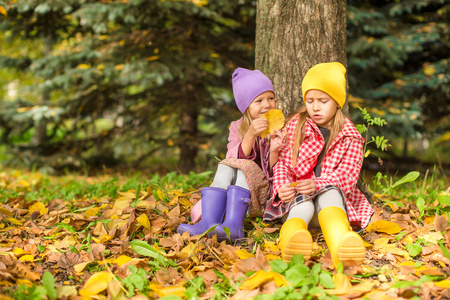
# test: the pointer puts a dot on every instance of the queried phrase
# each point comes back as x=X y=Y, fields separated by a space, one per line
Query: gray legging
x=309 y=210
x=226 y=176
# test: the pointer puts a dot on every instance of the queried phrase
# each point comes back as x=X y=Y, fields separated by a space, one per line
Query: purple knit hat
x=247 y=85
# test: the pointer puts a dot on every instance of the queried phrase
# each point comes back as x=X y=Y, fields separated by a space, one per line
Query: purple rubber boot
x=214 y=202
x=238 y=200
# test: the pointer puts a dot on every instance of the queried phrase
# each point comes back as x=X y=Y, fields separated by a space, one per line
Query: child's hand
x=306 y=187
x=277 y=140
x=258 y=125
x=286 y=193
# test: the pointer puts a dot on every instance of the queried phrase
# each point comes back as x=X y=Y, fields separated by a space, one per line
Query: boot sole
x=351 y=248
x=300 y=242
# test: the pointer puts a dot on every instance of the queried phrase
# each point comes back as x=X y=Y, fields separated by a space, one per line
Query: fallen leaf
x=143 y=221
x=384 y=226
x=256 y=280
x=97 y=283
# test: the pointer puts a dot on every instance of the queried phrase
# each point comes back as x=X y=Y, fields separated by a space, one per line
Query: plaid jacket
x=340 y=168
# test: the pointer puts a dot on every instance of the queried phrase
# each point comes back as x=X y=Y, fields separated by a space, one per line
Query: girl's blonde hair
x=336 y=126
x=245 y=125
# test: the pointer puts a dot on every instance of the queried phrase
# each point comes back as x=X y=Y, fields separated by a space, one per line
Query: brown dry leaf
x=440 y=223
x=276 y=121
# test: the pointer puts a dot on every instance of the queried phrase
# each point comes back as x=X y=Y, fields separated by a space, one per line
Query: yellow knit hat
x=328 y=78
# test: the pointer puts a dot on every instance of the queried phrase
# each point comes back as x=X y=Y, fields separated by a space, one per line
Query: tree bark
x=294 y=35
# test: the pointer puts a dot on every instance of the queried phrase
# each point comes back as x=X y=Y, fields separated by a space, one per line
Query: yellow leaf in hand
x=276 y=121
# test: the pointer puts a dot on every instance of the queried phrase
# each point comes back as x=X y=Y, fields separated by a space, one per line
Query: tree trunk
x=294 y=35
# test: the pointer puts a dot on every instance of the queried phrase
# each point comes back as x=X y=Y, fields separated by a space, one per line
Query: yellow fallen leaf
x=187 y=251
x=433 y=237
x=122 y=203
x=123 y=259
x=276 y=121
x=393 y=250
x=24 y=281
x=243 y=254
x=92 y=212
x=38 y=206
x=384 y=226
x=14 y=221
x=27 y=257
x=341 y=283
x=279 y=279
x=80 y=267
x=97 y=283
x=270 y=246
x=271 y=256
x=171 y=290
x=5 y=212
x=104 y=238
x=256 y=280
x=443 y=284
x=160 y=194
x=18 y=251
x=143 y=221
x=381 y=241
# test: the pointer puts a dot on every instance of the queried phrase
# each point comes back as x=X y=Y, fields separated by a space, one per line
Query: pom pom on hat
x=247 y=85
x=328 y=78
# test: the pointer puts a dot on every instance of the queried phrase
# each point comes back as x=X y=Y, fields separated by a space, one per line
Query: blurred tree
x=292 y=36
x=398 y=57
x=121 y=80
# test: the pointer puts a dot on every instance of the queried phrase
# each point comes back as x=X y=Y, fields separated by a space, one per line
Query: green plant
x=194 y=288
x=49 y=284
x=383 y=182
x=159 y=261
x=136 y=280
x=47 y=291
x=380 y=141
x=304 y=281
x=224 y=289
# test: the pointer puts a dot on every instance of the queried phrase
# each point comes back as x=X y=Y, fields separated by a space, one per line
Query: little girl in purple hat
x=243 y=179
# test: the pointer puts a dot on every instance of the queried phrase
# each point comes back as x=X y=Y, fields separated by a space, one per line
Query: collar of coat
x=348 y=130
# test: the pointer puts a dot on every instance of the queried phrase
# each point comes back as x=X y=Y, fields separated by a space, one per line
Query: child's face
x=321 y=107
x=261 y=104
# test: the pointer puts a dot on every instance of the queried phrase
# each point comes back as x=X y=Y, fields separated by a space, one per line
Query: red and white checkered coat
x=340 y=166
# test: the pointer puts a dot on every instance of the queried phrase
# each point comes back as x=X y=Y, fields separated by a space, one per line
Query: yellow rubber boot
x=345 y=245
x=294 y=239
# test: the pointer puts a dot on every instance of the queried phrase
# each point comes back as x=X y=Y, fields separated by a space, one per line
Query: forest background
x=147 y=84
